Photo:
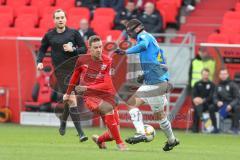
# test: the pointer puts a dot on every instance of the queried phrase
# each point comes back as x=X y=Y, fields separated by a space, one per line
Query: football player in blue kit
x=155 y=84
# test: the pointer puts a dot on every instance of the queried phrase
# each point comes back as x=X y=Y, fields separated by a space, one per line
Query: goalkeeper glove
x=120 y=52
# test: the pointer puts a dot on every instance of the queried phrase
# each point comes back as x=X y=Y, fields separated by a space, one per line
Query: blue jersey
x=152 y=59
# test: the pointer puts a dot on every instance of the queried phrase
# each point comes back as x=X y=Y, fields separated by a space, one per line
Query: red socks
x=112 y=126
x=105 y=137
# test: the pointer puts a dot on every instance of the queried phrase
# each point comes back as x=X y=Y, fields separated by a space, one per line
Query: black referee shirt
x=56 y=40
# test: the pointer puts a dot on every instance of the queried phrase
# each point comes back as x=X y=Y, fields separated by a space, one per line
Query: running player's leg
x=60 y=87
x=106 y=111
x=136 y=115
x=106 y=136
x=75 y=115
x=157 y=104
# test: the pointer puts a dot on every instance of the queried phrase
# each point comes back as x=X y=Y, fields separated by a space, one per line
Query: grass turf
x=42 y=143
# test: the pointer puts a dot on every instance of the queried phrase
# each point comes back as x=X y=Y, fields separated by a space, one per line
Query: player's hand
x=219 y=103
x=66 y=97
x=120 y=52
x=68 y=47
x=40 y=66
x=80 y=89
x=197 y=101
x=229 y=108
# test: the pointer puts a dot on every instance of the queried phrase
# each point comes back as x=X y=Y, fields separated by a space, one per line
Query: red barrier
x=18 y=73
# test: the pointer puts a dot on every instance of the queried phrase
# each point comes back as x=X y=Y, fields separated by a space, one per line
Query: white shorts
x=152 y=95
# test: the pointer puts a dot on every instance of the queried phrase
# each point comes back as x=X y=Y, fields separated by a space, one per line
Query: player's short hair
x=93 y=39
x=57 y=11
x=205 y=70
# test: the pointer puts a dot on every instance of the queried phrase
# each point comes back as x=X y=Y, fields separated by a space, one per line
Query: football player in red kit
x=92 y=81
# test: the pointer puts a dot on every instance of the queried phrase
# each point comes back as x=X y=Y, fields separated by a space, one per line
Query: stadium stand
x=26 y=21
x=42 y=3
x=26 y=10
x=17 y=3
x=80 y=12
x=10 y=32
x=167 y=6
x=65 y=4
x=33 y=32
x=207 y=17
x=46 y=23
x=217 y=38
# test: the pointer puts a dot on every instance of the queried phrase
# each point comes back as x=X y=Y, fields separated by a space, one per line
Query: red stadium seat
x=42 y=3
x=6 y=15
x=107 y=13
x=2 y=2
x=111 y=35
x=46 y=23
x=230 y=29
x=80 y=12
x=235 y=39
x=47 y=11
x=98 y=26
x=170 y=9
x=26 y=10
x=6 y=19
x=10 y=32
x=74 y=22
x=6 y=10
x=237 y=7
x=231 y=15
x=65 y=4
x=25 y=22
x=218 y=38
x=17 y=3
x=33 y=32
x=178 y=3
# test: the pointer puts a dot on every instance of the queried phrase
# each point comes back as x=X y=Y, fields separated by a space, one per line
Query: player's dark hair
x=133 y=23
x=205 y=70
x=57 y=11
x=93 y=39
x=134 y=27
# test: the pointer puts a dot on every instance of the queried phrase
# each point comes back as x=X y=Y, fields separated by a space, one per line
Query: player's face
x=96 y=49
x=223 y=75
x=205 y=75
x=60 y=20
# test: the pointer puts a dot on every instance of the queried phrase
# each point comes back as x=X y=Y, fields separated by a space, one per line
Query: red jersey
x=95 y=74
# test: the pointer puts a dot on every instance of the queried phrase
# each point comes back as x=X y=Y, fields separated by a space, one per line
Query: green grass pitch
x=44 y=143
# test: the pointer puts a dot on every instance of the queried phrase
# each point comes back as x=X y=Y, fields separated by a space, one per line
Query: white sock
x=167 y=129
x=137 y=119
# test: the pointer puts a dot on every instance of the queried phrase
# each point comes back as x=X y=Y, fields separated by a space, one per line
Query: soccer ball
x=150 y=132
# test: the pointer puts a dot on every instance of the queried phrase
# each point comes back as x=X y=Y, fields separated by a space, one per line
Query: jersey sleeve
x=142 y=45
x=75 y=77
x=43 y=49
x=106 y=84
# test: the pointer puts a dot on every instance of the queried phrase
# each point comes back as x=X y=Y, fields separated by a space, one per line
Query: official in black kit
x=202 y=94
x=66 y=44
